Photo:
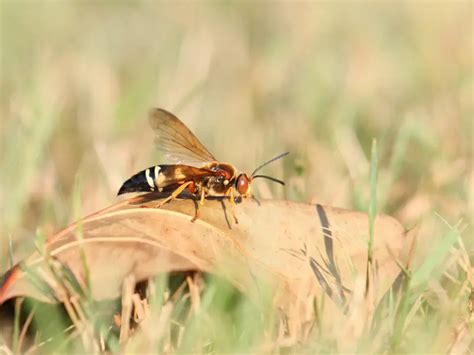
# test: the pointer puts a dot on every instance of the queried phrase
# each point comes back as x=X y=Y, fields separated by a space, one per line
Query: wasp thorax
x=242 y=184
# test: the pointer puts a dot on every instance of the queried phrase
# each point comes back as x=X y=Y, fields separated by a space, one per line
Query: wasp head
x=243 y=181
x=242 y=184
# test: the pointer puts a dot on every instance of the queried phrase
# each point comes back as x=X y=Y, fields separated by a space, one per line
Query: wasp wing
x=178 y=173
x=176 y=141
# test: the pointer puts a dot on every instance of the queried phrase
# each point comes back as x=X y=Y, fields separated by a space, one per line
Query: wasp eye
x=242 y=184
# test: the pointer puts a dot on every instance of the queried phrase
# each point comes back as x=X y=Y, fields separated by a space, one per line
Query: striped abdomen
x=162 y=178
x=143 y=181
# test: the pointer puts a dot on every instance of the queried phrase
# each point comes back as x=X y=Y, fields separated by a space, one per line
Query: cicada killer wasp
x=194 y=168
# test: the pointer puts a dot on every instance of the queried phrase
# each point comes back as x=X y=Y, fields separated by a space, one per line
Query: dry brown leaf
x=302 y=250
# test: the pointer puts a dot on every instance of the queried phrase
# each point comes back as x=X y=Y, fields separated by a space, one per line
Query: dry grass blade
x=127 y=301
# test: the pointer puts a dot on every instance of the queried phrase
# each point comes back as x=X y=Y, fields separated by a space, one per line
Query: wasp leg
x=201 y=202
x=232 y=203
x=203 y=192
x=196 y=214
x=252 y=196
x=175 y=193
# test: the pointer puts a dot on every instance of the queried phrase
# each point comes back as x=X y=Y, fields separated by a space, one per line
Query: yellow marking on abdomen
x=149 y=180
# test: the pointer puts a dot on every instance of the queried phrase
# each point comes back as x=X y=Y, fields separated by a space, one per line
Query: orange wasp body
x=179 y=144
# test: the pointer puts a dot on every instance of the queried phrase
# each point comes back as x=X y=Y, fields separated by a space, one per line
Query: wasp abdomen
x=143 y=181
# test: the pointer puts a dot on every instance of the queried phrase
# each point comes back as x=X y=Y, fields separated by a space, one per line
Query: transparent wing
x=176 y=141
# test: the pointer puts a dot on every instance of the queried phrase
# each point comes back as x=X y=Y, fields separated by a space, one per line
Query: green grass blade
x=432 y=264
x=372 y=208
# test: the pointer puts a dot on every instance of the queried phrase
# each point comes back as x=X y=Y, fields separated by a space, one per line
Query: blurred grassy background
x=251 y=80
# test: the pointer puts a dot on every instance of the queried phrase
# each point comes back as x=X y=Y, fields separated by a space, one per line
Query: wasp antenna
x=269 y=178
x=269 y=161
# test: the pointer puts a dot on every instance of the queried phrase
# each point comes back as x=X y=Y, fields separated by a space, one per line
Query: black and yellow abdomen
x=144 y=181
x=163 y=178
